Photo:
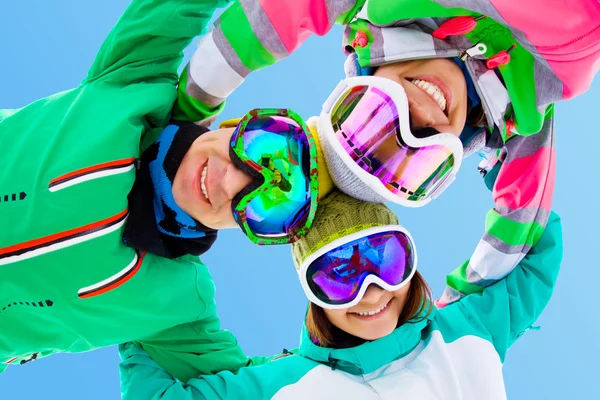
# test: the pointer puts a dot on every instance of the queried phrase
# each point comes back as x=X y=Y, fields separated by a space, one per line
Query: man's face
x=207 y=180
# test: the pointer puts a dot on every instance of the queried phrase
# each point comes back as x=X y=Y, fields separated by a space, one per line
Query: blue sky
x=48 y=46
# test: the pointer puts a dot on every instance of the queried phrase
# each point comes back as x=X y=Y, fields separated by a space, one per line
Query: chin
x=378 y=332
x=219 y=224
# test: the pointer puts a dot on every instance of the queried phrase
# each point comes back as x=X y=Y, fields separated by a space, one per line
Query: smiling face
x=375 y=316
x=436 y=91
x=207 y=181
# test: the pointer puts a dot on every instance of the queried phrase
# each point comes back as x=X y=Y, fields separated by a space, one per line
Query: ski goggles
x=366 y=122
x=338 y=275
x=276 y=148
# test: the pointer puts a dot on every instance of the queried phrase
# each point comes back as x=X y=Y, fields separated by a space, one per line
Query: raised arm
x=252 y=34
x=196 y=348
x=510 y=278
x=143 y=379
x=504 y=311
x=522 y=187
x=147 y=42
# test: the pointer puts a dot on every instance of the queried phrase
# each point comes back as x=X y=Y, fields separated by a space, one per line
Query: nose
x=420 y=116
x=234 y=181
x=373 y=295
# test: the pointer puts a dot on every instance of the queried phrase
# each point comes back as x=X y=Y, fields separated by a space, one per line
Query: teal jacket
x=67 y=281
x=456 y=352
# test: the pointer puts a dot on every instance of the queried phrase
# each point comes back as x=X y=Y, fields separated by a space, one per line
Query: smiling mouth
x=433 y=91
x=373 y=312
x=203 y=182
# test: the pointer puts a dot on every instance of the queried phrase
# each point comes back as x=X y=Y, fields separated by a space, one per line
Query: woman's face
x=375 y=316
x=436 y=91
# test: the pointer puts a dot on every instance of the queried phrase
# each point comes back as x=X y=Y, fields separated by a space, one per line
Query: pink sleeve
x=295 y=20
x=566 y=33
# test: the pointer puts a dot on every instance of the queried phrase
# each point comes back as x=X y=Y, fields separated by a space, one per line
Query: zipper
x=450 y=54
x=482 y=98
x=32 y=357
x=477 y=50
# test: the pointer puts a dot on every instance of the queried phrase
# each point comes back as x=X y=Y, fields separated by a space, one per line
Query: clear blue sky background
x=47 y=47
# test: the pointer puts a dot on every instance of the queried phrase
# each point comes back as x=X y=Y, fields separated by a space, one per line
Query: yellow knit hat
x=340 y=215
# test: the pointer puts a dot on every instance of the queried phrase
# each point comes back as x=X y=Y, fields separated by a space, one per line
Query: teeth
x=373 y=312
x=432 y=90
x=202 y=179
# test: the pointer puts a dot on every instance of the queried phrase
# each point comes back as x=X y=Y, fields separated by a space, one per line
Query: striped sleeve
x=522 y=195
x=249 y=35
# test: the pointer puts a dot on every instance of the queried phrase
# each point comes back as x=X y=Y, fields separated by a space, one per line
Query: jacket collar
x=369 y=356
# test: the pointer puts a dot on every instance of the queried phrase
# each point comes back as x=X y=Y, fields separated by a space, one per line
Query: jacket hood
x=521 y=90
x=6 y=113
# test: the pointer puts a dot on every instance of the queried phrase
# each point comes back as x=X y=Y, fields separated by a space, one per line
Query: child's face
x=436 y=91
x=376 y=326
x=222 y=180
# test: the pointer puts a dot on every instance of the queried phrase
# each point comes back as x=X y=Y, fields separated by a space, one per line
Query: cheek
x=183 y=179
x=201 y=144
x=389 y=72
x=212 y=142
x=226 y=220
x=338 y=318
x=401 y=296
x=222 y=142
